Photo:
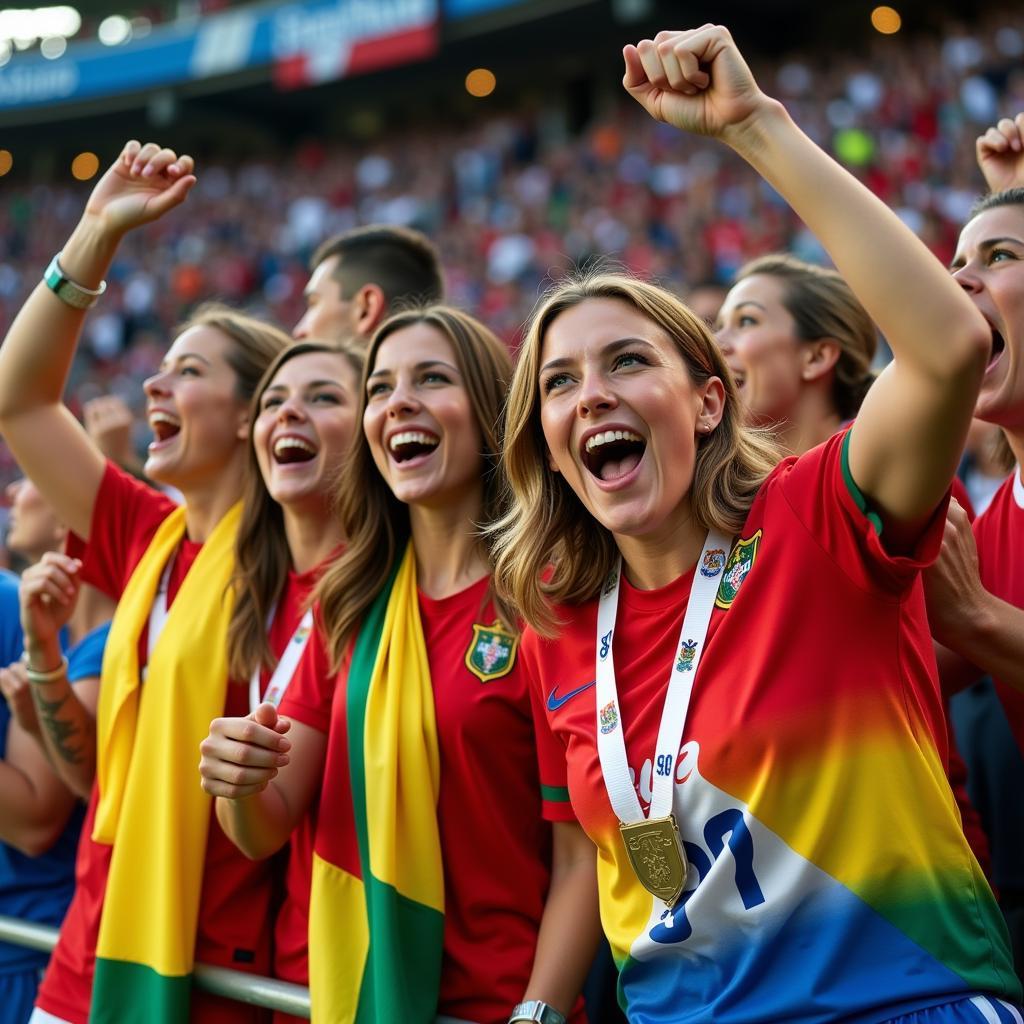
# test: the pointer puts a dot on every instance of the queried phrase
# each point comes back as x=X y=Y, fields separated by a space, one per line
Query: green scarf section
x=375 y=938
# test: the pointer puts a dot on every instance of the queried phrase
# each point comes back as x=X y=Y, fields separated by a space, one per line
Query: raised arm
x=263 y=780
x=1000 y=153
x=48 y=443
x=911 y=428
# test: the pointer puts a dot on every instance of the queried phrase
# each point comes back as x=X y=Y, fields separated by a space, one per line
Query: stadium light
x=85 y=166
x=53 y=47
x=480 y=82
x=6 y=161
x=886 y=20
x=23 y=26
x=114 y=30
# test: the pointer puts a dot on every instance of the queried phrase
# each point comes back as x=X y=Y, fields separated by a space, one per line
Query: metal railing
x=219 y=981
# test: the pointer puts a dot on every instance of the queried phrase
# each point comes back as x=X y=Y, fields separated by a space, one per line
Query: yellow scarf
x=152 y=810
x=375 y=938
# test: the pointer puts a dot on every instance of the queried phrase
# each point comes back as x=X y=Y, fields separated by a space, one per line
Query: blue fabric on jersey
x=38 y=888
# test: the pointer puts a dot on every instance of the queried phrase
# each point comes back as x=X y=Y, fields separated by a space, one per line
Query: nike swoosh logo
x=555 y=702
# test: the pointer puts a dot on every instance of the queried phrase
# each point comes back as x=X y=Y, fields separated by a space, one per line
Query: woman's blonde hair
x=262 y=556
x=546 y=529
x=376 y=523
x=823 y=305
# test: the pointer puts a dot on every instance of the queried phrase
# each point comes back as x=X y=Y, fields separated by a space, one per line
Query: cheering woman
x=733 y=656
x=457 y=901
x=156 y=884
x=303 y=419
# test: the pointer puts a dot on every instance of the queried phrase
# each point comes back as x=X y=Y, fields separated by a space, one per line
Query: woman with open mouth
x=799 y=346
x=439 y=891
x=157 y=882
x=756 y=738
x=976 y=588
x=303 y=418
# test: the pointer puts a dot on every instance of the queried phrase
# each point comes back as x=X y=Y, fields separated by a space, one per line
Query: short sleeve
x=820 y=491
x=125 y=517
x=554 y=790
x=85 y=659
x=11 y=640
x=308 y=697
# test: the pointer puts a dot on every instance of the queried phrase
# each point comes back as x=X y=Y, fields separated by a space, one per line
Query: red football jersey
x=829 y=877
x=234 y=911
x=497 y=847
x=999 y=532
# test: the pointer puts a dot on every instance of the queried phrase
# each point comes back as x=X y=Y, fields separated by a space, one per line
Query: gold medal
x=655 y=852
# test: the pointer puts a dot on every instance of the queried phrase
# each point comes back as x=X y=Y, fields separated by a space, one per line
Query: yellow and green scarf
x=152 y=810
x=375 y=939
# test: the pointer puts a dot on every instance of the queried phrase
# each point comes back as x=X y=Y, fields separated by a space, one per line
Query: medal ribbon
x=290 y=656
x=611 y=743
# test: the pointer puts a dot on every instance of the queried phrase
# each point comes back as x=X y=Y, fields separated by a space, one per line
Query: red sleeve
x=308 y=697
x=554 y=790
x=125 y=517
x=821 y=492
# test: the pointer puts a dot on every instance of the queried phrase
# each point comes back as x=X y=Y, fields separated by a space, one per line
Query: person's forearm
x=989 y=633
x=569 y=934
x=907 y=292
x=22 y=824
x=259 y=825
x=67 y=727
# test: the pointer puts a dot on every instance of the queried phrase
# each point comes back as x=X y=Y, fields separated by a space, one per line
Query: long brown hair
x=262 y=557
x=376 y=523
x=546 y=525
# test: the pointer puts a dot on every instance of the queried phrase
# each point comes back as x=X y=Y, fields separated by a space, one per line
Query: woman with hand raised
x=157 y=884
x=439 y=891
x=733 y=655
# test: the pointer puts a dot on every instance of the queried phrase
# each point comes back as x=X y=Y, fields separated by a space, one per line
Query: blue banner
x=299 y=43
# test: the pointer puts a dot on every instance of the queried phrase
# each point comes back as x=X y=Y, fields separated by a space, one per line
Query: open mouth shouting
x=411 y=448
x=998 y=347
x=165 y=428
x=290 y=449
x=613 y=455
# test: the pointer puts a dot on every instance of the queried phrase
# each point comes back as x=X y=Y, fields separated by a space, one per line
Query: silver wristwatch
x=537 y=1011
x=74 y=294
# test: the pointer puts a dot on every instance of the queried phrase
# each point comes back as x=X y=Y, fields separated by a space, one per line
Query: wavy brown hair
x=547 y=530
x=262 y=557
x=823 y=305
x=376 y=523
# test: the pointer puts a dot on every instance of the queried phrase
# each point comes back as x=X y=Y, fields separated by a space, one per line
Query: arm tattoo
x=61 y=731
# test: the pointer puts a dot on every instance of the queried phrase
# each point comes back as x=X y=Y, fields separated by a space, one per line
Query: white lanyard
x=157 y=614
x=611 y=744
x=290 y=656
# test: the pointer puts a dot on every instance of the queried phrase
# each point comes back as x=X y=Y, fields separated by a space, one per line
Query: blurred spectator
x=515 y=200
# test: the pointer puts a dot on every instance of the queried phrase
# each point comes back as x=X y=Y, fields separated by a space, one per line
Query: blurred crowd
x=515 y=199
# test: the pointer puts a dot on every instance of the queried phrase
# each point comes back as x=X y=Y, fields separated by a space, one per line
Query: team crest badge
x=740 y=562
x=713 y=563
x=492 y=652
x=687 y=652
x=608 y=717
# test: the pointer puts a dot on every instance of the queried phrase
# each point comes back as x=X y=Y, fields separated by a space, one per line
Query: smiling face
x=307 y=417
x=621 y=415
x=989 y=264
x=758 y=337
x=419 y=421
x=198 y=420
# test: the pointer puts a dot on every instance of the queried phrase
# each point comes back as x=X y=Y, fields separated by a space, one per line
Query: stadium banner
x=298 y=43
